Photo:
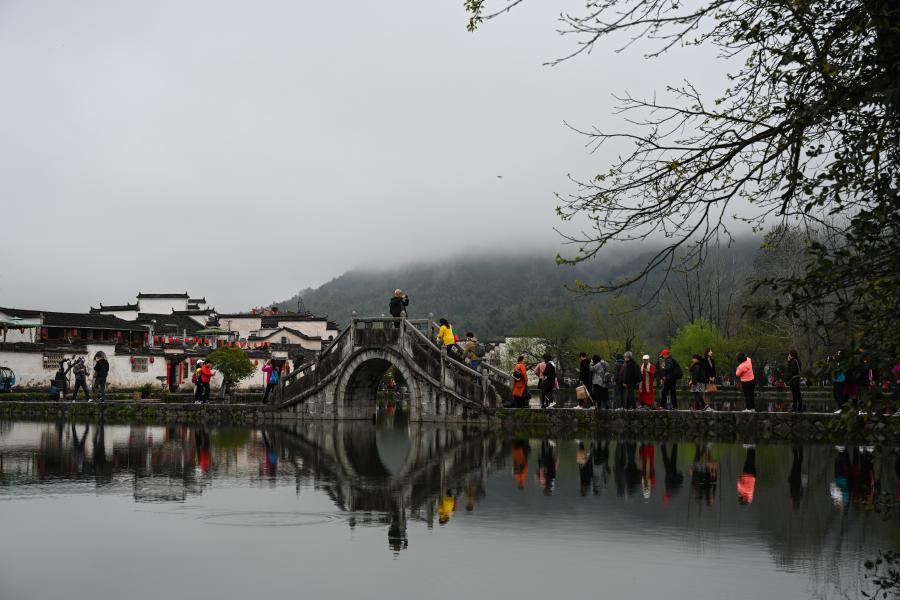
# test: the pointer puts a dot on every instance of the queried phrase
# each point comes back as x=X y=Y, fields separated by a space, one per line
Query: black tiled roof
x=21 y=313
x=197 y=300
x=312 y=338
x=170 y=324
x=122 y=307
x=89 y=321
x=148 y=296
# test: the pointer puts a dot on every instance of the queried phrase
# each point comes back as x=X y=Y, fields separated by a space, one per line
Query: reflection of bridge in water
x=391 y=471
x=342 y=383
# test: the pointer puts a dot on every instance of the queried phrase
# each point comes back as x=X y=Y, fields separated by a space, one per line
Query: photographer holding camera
x=398 y=304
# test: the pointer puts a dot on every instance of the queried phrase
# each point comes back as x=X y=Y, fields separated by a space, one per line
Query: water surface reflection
x=707 y=518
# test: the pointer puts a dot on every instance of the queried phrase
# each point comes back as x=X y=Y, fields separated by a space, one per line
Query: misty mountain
x=490 y=295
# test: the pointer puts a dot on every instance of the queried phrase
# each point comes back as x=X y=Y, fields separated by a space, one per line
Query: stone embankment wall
x=143 y=412
x=687 y=425
x=647 y=425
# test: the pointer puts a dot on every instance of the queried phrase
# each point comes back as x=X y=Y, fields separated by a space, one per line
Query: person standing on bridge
x=445 y=336
x=398 y=305
x=272 y=378
x=473 y=351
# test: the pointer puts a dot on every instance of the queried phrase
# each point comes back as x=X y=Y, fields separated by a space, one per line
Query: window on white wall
x=52 y=359
x=140 y=364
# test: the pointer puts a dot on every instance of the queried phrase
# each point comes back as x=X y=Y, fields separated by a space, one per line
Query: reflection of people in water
x=648 y=469
x=102 y=468
x=704 y=474
x=619 y=468
x=854 y=478
x=397 y=537
x=863 y=484
x=546 y=471
x=520 y=451
x=585 y=468
x=795 y=479
x=446 y=506
x=78 y=449
x=840 y=489
x=270 y=464
x=746 y=483
x=674 y=478
x=201 y=437
x=600 y=456
x=474 y=491
x=632 y=472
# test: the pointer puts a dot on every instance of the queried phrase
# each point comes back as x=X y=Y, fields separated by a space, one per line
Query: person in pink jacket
x=744 y=373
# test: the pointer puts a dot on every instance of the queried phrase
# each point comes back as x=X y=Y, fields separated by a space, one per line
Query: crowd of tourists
x=626 y=384
x=59 y=386
x=623 y=383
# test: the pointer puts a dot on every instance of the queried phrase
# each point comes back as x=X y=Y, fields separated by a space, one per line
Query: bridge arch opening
x=376 y=385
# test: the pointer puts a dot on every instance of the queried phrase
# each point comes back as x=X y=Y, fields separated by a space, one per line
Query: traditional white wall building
x=156 y=341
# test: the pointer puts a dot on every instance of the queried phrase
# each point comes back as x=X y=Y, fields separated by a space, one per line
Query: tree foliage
x=233 y=364
x=694 y=338
x=807 y=130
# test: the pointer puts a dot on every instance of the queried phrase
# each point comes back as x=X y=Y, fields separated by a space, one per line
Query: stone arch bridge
x=342 y=383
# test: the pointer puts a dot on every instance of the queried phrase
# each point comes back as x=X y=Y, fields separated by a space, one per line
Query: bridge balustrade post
x=485 y=385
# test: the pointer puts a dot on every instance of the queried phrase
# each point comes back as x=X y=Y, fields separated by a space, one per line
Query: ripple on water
x=266 y=519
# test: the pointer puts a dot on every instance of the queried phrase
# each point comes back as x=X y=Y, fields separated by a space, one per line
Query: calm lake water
x=355 y=510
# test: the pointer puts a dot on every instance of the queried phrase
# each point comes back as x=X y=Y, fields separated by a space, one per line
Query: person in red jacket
x=206 y=374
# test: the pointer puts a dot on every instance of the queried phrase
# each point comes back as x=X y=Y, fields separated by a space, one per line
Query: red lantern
x=119 y=334
x=43 y=332
x=256 y=362
x=133 y=360
x=146 y=335
x=74 y=333
x=151 y=360
x=155 y=339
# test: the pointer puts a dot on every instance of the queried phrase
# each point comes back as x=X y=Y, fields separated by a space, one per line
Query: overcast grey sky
x=244 y=150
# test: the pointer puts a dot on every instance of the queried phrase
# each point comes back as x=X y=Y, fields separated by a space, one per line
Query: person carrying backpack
x=671 y=373
x=273 y=376
x=198 y=385
x=520 y=395
x=473 y=351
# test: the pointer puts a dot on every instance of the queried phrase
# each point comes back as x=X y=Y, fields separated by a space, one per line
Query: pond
x=356 y=510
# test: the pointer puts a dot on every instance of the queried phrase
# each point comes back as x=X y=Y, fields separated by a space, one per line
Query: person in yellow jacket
x=445 y=334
